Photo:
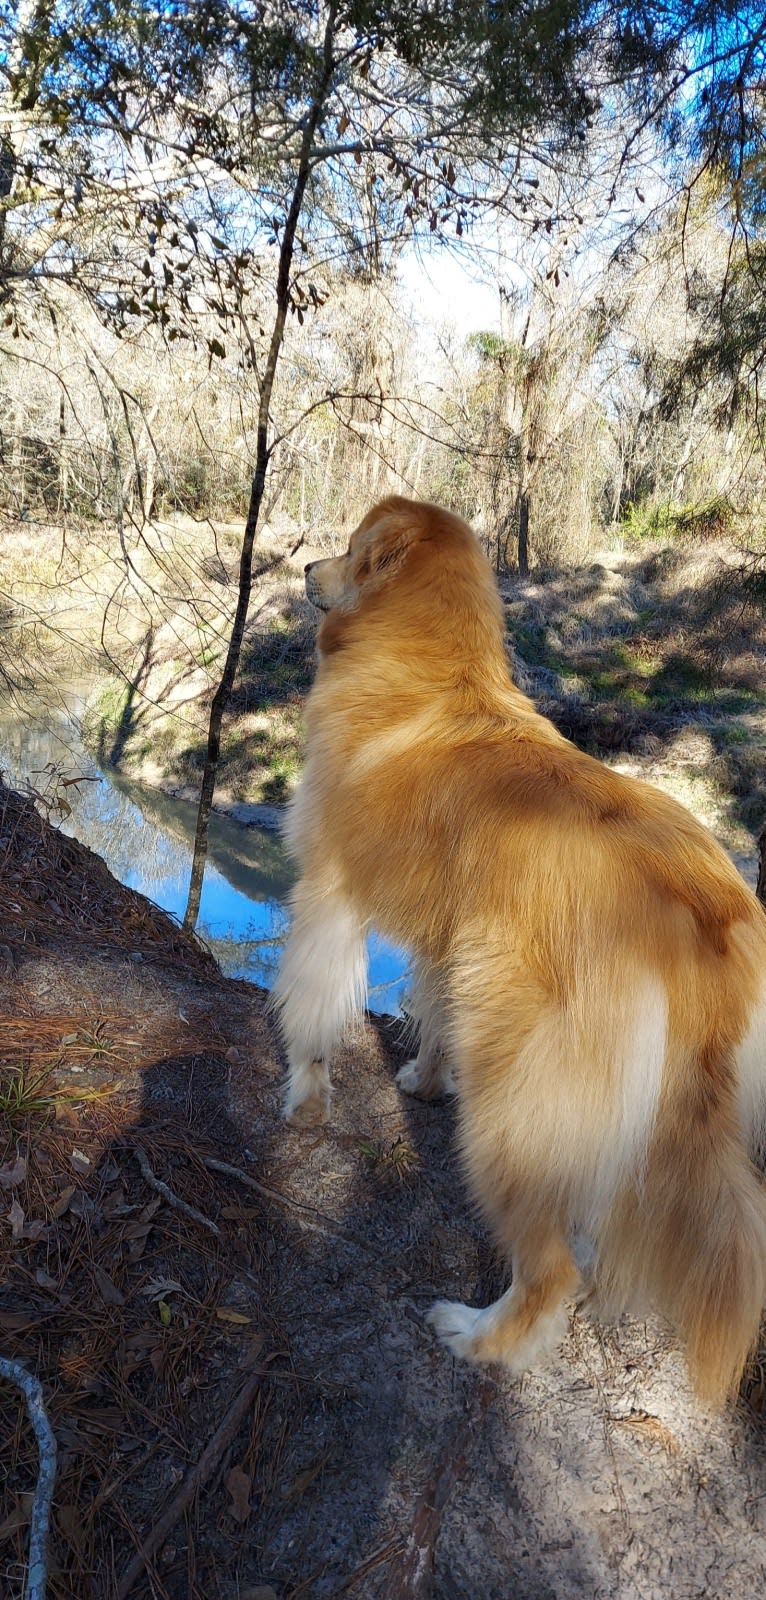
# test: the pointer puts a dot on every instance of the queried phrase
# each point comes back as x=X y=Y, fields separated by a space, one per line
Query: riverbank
x=149 y=634
x=650 y=658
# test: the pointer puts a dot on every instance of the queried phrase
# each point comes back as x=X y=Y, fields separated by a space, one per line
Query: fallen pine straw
x=195 y=1480
x=37 y=1573
x=51 y=1035
x=48 y=1041
x=55 y=886
x=83 y=1307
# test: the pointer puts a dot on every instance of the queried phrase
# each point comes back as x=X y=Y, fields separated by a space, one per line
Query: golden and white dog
x=591 y=967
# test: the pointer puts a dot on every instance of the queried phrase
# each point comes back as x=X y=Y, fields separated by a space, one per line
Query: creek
x=146 y=839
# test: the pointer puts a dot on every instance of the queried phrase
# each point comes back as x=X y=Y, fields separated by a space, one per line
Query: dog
x=591 y=968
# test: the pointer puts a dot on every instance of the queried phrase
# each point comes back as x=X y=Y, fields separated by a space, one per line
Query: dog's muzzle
x=313 y=590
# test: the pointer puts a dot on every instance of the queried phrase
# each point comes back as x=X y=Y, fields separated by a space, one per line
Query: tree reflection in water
x=146 y=840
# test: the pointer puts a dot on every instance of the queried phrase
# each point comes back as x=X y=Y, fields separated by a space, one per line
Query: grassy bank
x=654 y=659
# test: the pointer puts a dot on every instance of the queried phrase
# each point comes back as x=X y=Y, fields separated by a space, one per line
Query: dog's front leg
x=321 y=985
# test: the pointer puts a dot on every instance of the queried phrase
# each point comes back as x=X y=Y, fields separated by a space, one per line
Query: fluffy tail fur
x=698 y=1227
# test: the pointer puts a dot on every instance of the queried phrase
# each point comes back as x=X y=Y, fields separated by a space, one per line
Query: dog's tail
x=697 y=1224
x=721 y=1296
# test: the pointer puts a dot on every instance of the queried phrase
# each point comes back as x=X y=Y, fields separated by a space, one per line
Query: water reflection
x=146 y=840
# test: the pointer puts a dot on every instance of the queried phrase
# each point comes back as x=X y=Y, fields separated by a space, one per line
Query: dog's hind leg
x=525 y=1322
x=429 y=1074
x=321 y=985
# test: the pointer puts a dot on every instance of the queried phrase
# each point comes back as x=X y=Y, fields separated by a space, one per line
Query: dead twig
x=412 y=1570
x=167 y=1194
x=195 y=1479
x=214 y=1165
x=386 y=1552
x=31 y=1388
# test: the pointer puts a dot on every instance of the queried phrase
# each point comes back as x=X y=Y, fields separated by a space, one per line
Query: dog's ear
x=392 y=539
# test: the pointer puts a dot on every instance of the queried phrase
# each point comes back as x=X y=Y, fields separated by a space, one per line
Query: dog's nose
x=308 y=566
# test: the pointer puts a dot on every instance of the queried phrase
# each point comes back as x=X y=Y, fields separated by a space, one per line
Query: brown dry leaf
x=69 y=1520
x=107 y=1288
x=135 y=1230
x=63 y=1203
x=80 y=1161
x=18 y=1321
x=143 y=1339
x=137 y=1246
x=18 y=1517
x=35 y=1229
x=10 y=1177
x=16 y=1219
x=66 y=1114
x=238 y=1485
x=255 y=1345
x=305 y=1479
x=116 y=1204
x=226 y=1314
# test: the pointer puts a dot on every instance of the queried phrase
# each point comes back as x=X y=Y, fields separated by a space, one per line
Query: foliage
x=662 y=519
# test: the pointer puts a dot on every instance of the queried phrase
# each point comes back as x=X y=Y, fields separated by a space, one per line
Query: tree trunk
x=761 y=884
x=148 y=483
x=222 y=695
x=524 y=533
x=63 y=460
x=18 y=480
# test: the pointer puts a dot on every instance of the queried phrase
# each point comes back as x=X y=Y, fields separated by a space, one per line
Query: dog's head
x=377 y=549
x=413 y=585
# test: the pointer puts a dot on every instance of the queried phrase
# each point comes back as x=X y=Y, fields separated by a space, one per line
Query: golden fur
x=591 y=967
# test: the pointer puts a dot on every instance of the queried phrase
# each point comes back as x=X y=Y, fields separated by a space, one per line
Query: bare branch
x=31 y=1388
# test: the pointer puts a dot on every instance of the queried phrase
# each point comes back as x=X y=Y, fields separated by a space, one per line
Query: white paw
x=408 y=1077
x=309 y=1113
x=428 y=1083
x=456 y=1325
